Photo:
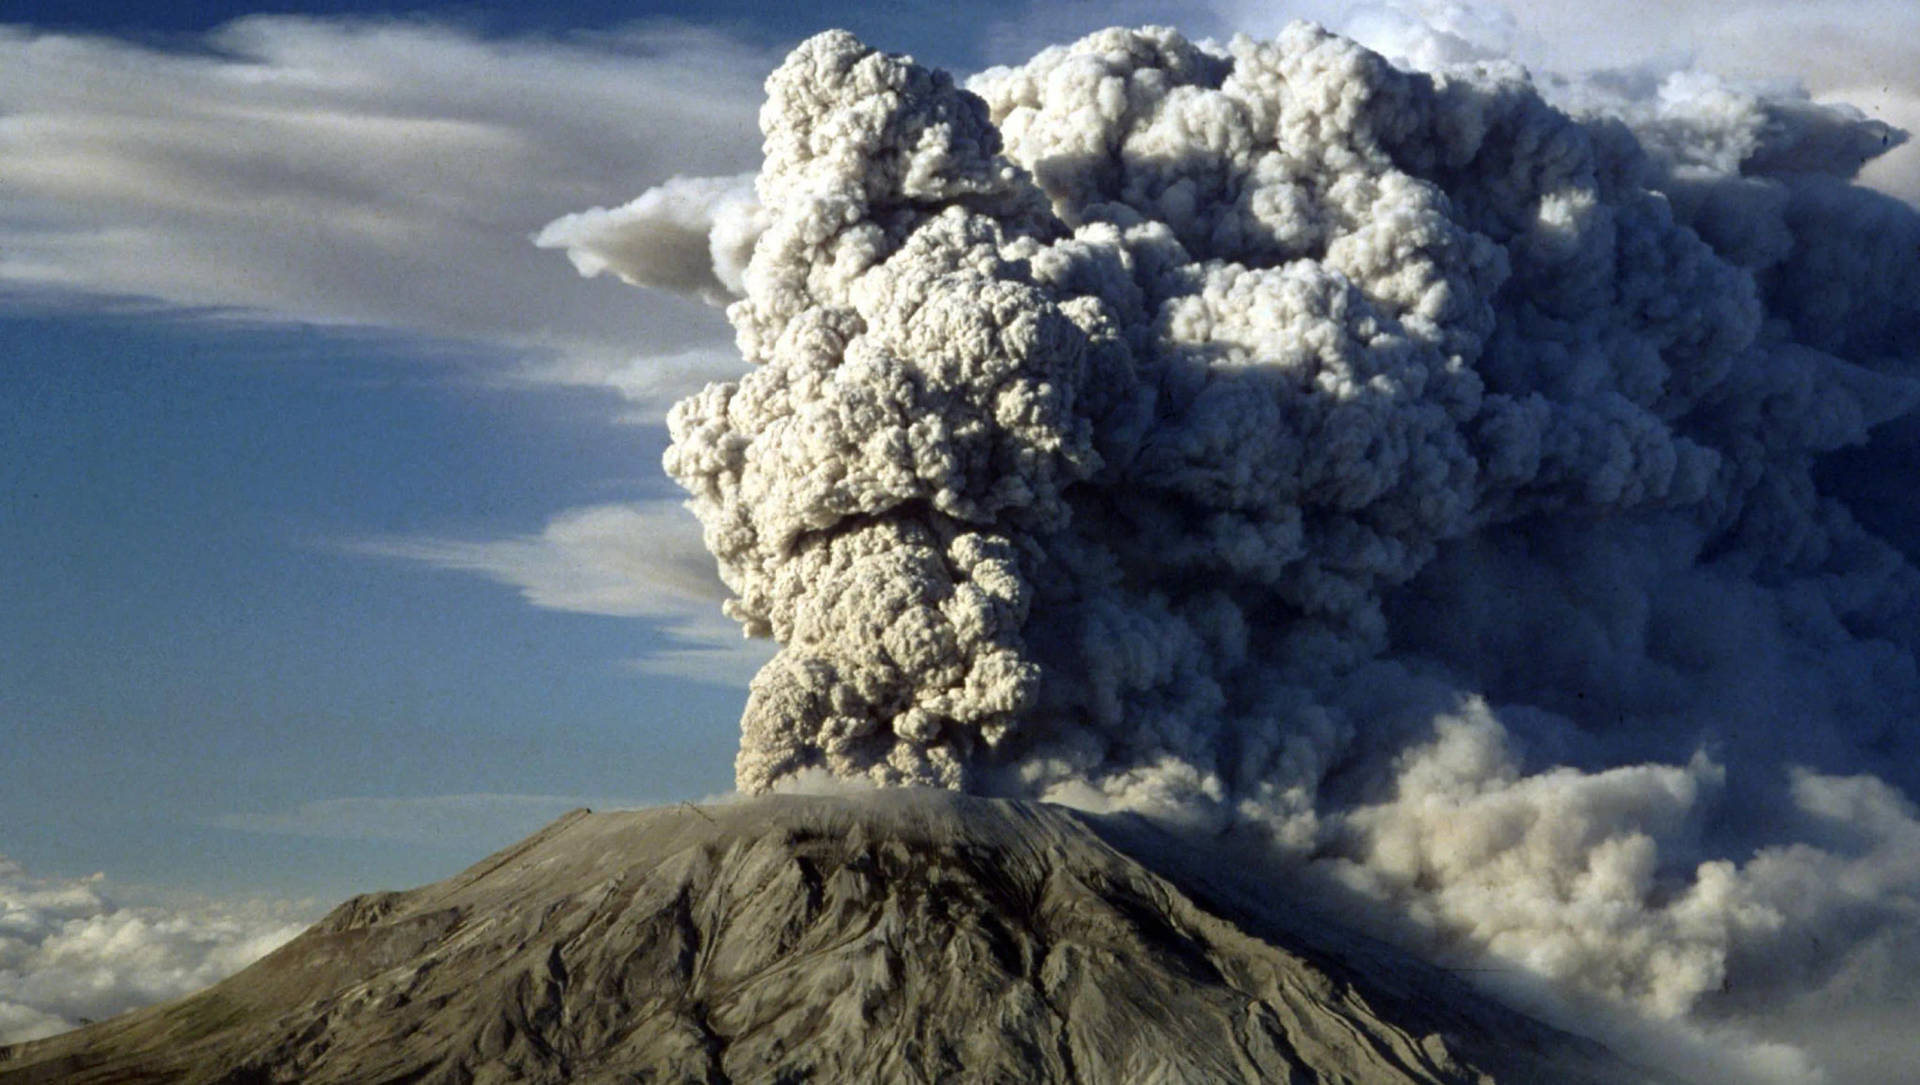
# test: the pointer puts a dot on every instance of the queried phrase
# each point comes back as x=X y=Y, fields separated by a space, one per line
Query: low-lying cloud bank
x=70 y=954
x=1475 y=494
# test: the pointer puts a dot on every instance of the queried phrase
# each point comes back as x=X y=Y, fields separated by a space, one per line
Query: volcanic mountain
x=902 y=936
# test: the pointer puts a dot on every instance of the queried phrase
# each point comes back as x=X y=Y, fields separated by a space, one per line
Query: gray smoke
x=1495 y=506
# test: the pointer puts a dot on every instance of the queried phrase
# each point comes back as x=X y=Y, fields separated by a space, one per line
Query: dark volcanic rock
x=891 y=937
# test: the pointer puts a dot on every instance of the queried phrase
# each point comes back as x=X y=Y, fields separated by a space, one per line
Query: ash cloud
x=1484 y=500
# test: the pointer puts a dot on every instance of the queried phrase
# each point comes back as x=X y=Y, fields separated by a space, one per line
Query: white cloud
x=464 y=821
x=69 y=953
x=393 y=175
x=382 y=173
x=641 y=560
x=650 y=384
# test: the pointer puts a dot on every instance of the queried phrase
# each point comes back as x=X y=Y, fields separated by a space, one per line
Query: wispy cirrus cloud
x=386 y=173
x=391 y=175
x=636 y=560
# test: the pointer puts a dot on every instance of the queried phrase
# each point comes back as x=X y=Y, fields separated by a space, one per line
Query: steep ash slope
x=898 y=936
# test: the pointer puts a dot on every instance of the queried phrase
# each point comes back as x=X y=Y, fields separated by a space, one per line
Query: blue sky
x=335 y=550
x=194 y=637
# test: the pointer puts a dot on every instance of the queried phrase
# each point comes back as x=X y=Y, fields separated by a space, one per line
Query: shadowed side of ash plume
x=897 y=936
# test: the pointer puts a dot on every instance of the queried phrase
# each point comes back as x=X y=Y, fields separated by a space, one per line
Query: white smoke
x=1480 y=499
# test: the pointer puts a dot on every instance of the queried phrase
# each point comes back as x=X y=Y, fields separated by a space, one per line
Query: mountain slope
x=889 y=937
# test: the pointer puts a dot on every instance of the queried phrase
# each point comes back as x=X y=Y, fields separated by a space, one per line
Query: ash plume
x=1490 y=503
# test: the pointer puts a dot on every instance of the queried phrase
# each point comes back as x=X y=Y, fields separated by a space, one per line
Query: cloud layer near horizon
x=69 y=953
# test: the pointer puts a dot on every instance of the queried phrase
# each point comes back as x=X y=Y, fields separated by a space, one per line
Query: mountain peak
x=889 y=936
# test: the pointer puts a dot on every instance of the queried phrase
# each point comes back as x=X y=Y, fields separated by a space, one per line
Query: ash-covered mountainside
x=898 y=936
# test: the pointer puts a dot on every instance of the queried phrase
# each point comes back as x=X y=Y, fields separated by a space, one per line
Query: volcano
x=900 y=936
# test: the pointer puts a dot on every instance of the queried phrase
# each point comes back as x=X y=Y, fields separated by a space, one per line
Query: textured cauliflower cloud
x=1483 y=500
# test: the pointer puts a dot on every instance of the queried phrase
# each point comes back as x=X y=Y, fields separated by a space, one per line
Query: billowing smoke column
x=1477 y=499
